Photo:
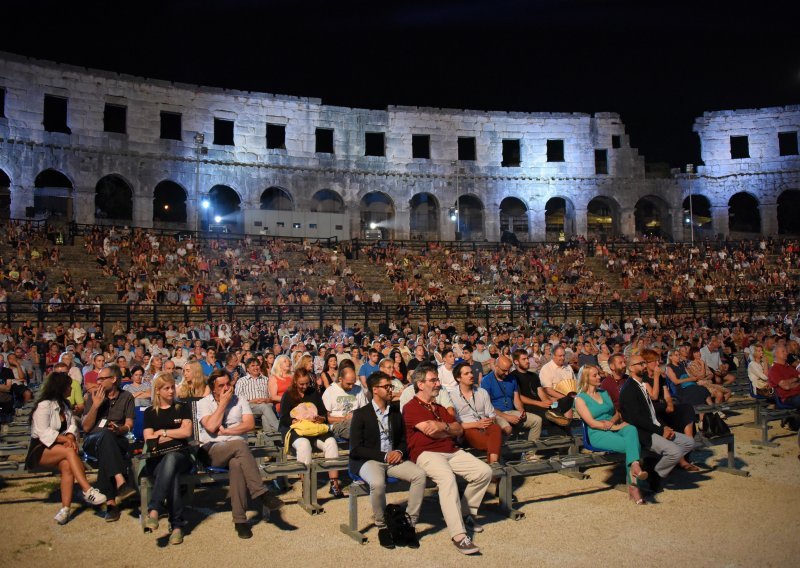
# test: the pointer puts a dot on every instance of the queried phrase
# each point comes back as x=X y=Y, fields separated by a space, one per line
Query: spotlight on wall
x=199 y=138
x=166 y=207
x=373 y=225
x=453 y=214
x=217 y=219
x=687 y=220
x=205 y=203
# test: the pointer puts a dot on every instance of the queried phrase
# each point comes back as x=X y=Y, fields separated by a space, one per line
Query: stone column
x=447 y=228
x=491 y=223
x=769 y=218
x=537 y=226
x=581 y=222
x=192 y=211
x=402 y=223
x=21 y=197
x=627 y=222
x=678 y=226
x=354 y=212
x=719 y=220
x=142 y=210
x=83 y=205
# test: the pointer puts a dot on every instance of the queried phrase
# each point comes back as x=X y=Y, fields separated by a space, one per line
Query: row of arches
x=652 y=214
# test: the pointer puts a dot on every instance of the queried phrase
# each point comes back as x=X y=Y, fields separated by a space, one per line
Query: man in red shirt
x=430 y=431
x=784 y=378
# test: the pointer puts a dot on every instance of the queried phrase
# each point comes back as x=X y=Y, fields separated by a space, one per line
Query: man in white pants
x=431 y=431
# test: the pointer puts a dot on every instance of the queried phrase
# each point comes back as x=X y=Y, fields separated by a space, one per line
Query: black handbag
x=714 y=426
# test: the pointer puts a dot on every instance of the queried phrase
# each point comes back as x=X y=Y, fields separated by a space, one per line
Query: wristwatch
x=164 y=432
x=446 y=426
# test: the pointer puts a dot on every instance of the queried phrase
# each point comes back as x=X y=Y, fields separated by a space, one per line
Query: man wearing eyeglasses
x=431 y=431
x=639 y=409
x=378 y=448
x=107 y=419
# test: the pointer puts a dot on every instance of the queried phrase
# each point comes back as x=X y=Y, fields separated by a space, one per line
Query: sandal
x=637 y=473
x=151 y=524
x=635 y=495
x=690 y=467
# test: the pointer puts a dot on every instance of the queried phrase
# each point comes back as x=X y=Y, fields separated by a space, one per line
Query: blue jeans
x=166 y=472
x=793 y=401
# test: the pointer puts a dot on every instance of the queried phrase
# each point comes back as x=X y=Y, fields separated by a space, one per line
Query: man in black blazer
x=638 y=408
x=378 y=449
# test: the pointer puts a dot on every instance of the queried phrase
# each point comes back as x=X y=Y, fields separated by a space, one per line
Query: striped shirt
x=250 y=388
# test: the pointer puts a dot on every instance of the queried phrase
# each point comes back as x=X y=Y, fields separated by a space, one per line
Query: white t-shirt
x=237 y=408
x=340 y=403
x=551 y=374
x=446 y=376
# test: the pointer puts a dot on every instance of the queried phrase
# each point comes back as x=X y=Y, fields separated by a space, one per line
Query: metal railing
x=79 y=229
x=344 y=314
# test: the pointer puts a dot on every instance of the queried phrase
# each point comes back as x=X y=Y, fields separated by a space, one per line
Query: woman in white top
x=54 y=443
x=757 y=374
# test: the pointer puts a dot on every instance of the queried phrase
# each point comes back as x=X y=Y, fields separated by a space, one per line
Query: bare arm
x=182 y=433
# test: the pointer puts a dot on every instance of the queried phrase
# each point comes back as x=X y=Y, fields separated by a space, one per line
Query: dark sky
x=658 y=64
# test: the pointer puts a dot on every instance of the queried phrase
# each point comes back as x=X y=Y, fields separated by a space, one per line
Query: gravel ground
x=706 y=519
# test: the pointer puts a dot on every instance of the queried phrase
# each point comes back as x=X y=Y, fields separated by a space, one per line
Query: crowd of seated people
x=146 y=268
x=634 y=384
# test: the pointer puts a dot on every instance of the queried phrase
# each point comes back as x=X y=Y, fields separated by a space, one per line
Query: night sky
x=658 y=64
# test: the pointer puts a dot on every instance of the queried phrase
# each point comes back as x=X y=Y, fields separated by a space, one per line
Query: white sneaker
x=62 y=517
x=94 y=497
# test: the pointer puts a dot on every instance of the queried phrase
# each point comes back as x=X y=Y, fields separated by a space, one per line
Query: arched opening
x=377 y=213
x=169 y=203
x=223 y=213
x=52 y=195
x=327 y=201
x=559 y=219
x=276 y=199
x=469 y=218
x=788 y=208
x=743 y=214
x=697 y=217
x=602 y=218
x=514 y=217
x=5 y=195
x=652 y=217
x=113 y=199
x=424 y=219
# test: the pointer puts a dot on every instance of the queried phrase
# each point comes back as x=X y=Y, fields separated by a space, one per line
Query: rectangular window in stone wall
x=374 y=144
x=2 y=103
x=276 y=136
x=466 y=149
x=171 y=125
x=324 y=141
x=616 y=141
x=223 y=132
x=421 y=146
x=511 y=154
x=740 y=147
x=55 y=114
x=601 y=161
x=114 y=118
x=787 y=143
x=555 y=150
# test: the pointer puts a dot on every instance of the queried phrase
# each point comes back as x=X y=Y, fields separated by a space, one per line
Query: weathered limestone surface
x=142 y=159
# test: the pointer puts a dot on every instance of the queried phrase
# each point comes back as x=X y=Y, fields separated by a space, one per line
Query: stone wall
x=142 y=159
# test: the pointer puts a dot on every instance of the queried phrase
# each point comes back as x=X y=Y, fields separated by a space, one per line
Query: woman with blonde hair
x=194 y=382
x=280 y=379
x=607 y=430
x=167 y=430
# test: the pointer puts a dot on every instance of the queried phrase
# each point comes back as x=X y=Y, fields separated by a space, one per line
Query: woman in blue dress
x=606 y=428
